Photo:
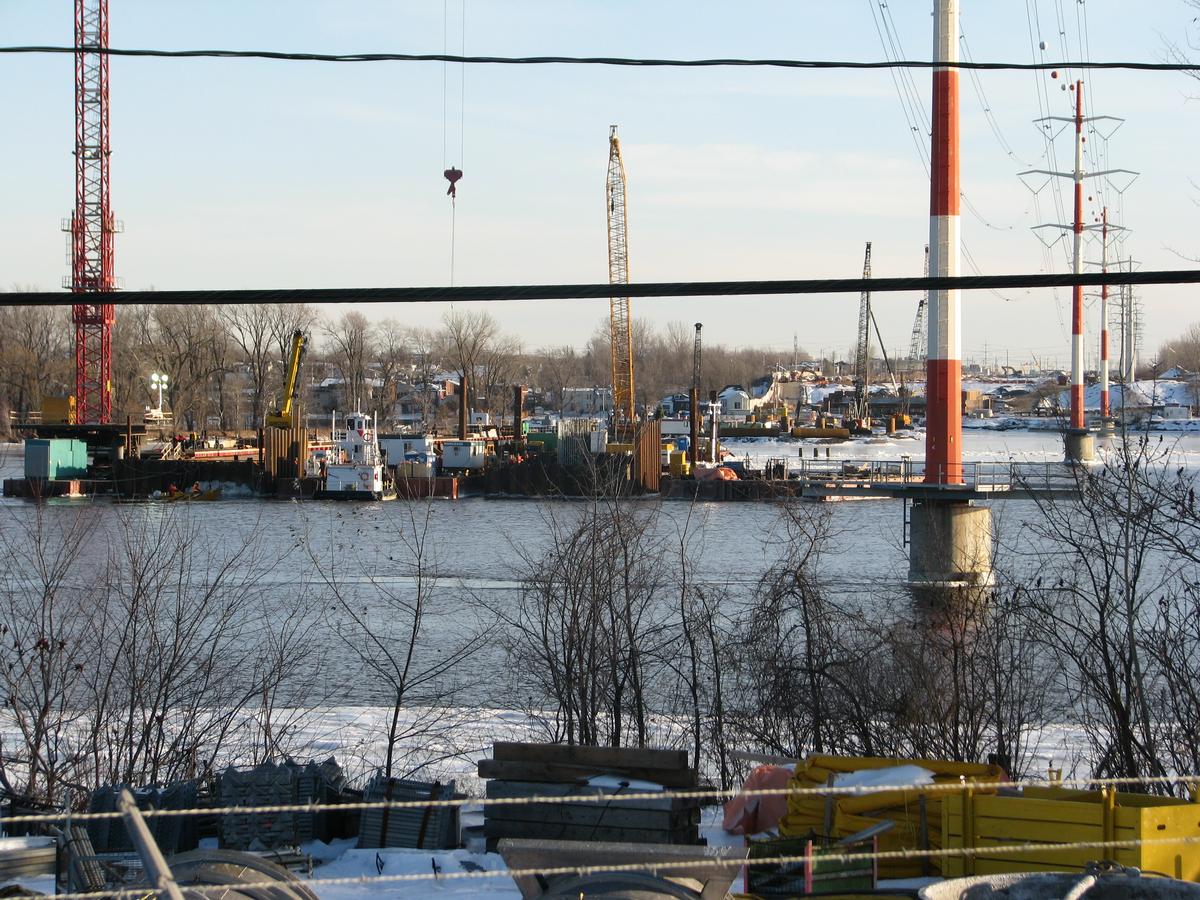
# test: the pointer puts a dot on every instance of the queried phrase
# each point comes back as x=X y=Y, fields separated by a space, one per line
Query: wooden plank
x=556 y=772
x=595 y=814
x=580 y=755
x=588 y=833
x=498 y=788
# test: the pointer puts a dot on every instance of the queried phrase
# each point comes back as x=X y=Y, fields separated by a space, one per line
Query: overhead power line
x=609 y=60
x=505 y=293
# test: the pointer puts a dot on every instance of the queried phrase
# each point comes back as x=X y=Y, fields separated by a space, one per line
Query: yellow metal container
x=917 y=812
x=679 y=464
x=1060 y=816
x=58 y=410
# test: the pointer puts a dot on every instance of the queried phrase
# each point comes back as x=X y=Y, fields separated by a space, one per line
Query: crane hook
x=452 y=175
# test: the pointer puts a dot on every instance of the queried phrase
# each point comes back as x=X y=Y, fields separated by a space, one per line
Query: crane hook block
x=452 y=175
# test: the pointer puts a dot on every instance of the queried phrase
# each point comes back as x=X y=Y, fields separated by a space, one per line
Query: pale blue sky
x=235 y=174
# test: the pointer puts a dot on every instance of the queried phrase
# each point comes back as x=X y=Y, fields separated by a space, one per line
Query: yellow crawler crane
x=620 y=330
x=283 y=416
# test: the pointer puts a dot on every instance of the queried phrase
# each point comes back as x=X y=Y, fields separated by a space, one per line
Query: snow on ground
x=984 y=440
x=366 y=864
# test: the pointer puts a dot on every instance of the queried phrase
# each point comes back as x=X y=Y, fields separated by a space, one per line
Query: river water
x=475 y=544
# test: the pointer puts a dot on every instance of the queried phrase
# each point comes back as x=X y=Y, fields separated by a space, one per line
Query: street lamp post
x=159 y=381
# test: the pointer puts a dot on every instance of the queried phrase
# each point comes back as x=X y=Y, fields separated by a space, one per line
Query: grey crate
x=428 y=828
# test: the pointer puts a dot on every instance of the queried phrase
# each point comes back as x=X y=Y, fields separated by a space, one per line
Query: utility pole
x=1079 y=444
x=1105 y=408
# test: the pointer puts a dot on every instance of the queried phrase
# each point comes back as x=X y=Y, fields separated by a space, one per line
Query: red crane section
x=92 y=225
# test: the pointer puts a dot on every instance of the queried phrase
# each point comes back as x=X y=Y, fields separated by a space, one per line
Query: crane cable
x=453 y=173
x=915 y=113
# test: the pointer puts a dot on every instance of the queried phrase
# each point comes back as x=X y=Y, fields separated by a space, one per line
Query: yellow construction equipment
x=283 y=416
x=620 y=330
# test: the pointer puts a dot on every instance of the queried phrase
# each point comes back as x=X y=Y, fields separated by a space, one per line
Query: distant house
x=586 y=401
x=675 y=405
x=735 y=402
x=1175 y=373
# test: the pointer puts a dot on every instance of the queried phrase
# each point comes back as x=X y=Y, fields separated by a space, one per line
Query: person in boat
x=196 y=489
x=172 y=490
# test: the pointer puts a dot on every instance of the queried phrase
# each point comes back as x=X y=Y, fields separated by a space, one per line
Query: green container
x=820 y=876
x=55 y=459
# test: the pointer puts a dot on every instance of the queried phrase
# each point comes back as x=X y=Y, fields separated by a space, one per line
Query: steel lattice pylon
x=92 y=226
x=620 y=326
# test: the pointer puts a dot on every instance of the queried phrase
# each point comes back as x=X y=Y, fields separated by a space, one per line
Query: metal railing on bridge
x=981 y=476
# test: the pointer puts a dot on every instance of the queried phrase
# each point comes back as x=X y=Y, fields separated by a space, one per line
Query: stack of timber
x=557 y=770
x=916 y=811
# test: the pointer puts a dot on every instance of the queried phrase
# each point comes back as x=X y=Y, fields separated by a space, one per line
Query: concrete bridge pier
x=950 y=546
x=1080 y=445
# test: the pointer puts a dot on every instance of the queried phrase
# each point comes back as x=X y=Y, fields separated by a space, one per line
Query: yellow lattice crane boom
x=620 y=330
x=284 y=416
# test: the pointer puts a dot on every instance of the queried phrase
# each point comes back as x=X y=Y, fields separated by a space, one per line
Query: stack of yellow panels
x=851 y=813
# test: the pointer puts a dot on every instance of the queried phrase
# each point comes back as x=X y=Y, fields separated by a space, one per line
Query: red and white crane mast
x=92 y=225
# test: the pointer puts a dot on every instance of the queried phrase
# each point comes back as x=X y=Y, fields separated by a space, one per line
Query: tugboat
x=355 y=470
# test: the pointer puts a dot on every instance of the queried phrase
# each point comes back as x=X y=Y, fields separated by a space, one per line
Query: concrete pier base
x=1080 y=445
x=1108 y=427
x=950 y=545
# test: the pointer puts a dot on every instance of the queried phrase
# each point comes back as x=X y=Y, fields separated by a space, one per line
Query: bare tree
x=408 y=651
x=497 y=371
x=45 y=645
x=589 y=626
x=466 y=338
x=393 y=360
x=1102 y=562
x=140 y=667
x=173 y=667
x=560 y=369
x=34 y=355
x=352 y=347
x=250 y=326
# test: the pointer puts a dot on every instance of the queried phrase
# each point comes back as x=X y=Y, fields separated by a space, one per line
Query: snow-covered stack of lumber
x=525 y=771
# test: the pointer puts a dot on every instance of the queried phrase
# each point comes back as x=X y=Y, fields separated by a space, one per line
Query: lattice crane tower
x=862 y=346
x=917 y=341
x=92 y=225
x=620 y=329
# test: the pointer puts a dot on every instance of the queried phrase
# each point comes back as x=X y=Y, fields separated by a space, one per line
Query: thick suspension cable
x=1133 y=65
x=507 y=293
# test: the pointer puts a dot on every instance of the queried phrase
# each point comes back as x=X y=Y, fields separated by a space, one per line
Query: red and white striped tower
x=1077 y=290
x=943 y=367
x=1104 y=407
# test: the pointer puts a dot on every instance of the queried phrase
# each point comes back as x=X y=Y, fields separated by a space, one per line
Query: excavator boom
x=284 y=415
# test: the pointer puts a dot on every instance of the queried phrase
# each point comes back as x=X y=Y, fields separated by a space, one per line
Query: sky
x=245 y=174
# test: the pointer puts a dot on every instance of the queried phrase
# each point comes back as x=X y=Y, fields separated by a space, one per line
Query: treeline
x=225 y=364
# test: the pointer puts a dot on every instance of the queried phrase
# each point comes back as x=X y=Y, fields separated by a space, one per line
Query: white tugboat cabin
x=355 y=468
